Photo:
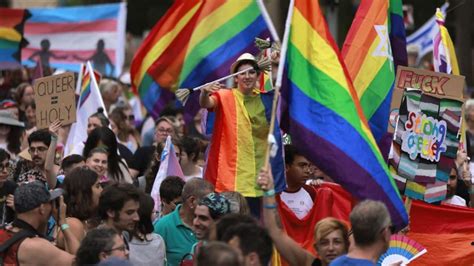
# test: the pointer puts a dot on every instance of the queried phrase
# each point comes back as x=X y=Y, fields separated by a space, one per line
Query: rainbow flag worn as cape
x=12 y=23
x=195 y=43
x=237 y=149
x=376 y=40
x=322 y=113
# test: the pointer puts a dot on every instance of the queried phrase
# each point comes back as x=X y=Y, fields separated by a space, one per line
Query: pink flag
x=169 y=166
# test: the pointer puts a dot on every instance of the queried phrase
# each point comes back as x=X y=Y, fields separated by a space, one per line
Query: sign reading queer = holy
x=55 y=99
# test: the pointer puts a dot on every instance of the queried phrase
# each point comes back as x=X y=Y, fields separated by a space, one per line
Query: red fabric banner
x=446 y=231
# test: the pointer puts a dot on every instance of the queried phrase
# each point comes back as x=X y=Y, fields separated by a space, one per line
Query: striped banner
x=65 y=37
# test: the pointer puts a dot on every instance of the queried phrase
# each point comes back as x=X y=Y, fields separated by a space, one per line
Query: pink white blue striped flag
x=65 y=37
x=169 y=166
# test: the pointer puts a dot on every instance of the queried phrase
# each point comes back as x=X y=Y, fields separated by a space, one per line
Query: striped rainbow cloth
x=375 y=40
x=90 y=101
x=194 y=43
x=321 y=112
x=235 y=154
x=85 y=84
x=11 y=36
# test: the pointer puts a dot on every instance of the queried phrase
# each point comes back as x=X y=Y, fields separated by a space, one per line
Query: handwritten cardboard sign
x=55 y=99
x=436 y=84
x=433 y=83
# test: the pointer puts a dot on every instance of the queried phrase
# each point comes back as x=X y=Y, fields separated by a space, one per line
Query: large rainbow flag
x=322 y=113
x=375 y=41
x=11 y=36
x=194 y=43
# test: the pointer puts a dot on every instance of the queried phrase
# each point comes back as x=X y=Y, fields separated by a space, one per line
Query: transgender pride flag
x=65 y=37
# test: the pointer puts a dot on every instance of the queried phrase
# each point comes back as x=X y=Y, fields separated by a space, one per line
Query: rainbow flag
x=322 y=113
x=194 y=43
x=11 y=36
x=229 y=165
x=84 y=83
x=444 y=56
x=376 y=40
x=90 y=100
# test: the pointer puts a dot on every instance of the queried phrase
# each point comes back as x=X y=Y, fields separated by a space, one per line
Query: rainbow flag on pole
x=444 y=56
x=375 y=41
x=90 y=100
x=322 y=113
x=194 y=43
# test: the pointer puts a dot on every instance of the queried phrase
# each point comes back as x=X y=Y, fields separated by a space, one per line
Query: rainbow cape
x=322 y=113
x=194 y=43
x=11 y=36
x=240 y=131
x=375 y=41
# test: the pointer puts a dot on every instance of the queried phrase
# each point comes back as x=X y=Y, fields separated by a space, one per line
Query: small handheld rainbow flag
x=401 y=249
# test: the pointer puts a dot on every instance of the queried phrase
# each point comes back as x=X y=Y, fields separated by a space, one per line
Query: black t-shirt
x=7 y=214
x=125 y=153
x=142 y=158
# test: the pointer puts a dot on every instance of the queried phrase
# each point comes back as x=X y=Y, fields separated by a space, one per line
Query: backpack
x=7 y=240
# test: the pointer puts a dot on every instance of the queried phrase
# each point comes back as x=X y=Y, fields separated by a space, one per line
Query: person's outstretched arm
x=287 y=247
x=205 y=99
x=49 y=168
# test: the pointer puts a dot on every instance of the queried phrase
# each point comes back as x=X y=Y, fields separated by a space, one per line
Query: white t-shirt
x=200 y=175
x=299 y=202
x=456 y=200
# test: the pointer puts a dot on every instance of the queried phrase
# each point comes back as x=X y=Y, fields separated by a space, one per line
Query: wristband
x=269 y=193
x=64 y=227
x=271 y=206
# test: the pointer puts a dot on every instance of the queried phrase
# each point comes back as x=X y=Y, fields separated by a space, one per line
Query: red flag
x=446 y=231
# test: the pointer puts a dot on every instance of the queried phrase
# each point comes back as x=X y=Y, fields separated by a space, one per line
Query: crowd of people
x=95 y=207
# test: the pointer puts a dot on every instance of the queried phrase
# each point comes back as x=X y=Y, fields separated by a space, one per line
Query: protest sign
x=55 y=99
x=436 y=84
x=425 y=119
x=433 y=83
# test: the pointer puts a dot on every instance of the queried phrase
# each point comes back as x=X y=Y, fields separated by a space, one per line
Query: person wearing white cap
x=239 y=139
x=10 y=133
